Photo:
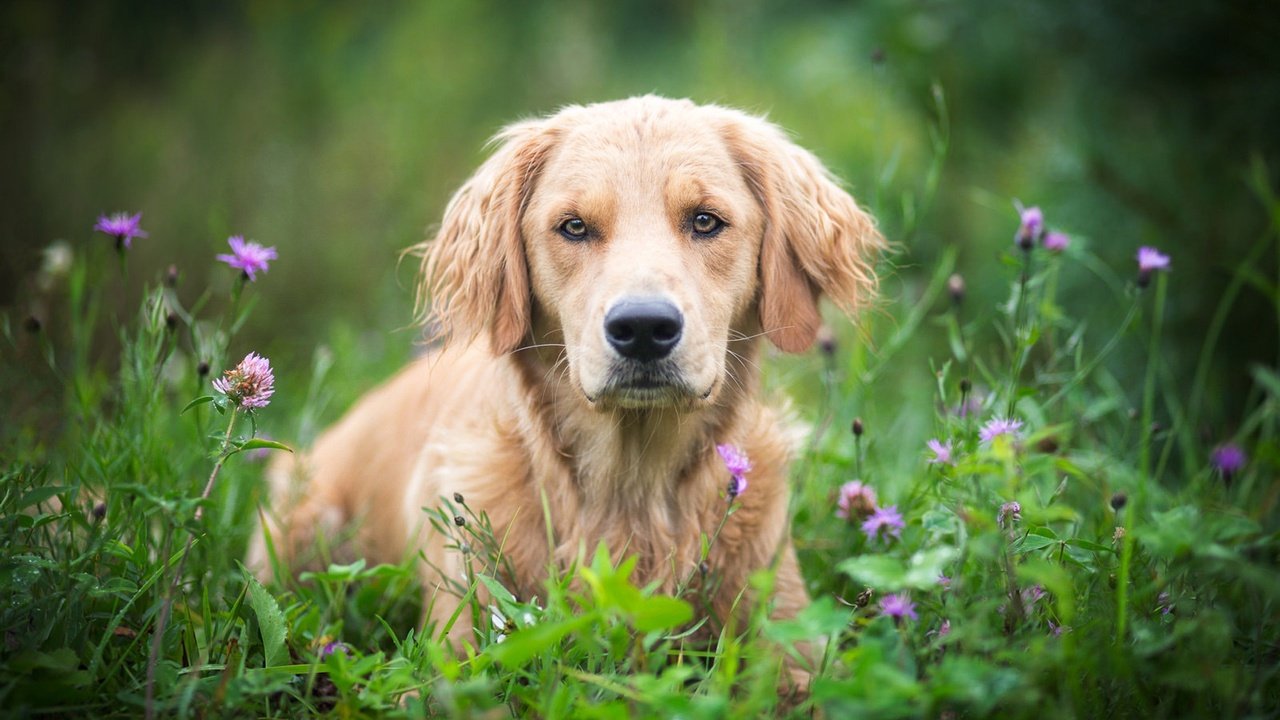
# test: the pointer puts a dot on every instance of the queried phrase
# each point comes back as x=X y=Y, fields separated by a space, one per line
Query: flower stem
x=1021 y=348
x=167 y=606
x=1144 y=461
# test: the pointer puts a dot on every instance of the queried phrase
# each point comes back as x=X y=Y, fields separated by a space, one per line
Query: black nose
x=643 y=328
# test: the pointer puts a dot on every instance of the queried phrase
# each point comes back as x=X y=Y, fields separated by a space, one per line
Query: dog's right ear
x=474 y=275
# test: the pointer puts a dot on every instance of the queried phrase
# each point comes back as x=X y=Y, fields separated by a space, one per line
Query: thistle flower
x=941 y=453
x=1151 y=259
x=1056 y=242
x=898 y=607
x=250 y=384
x=886 y=519
x=121 y=226
x=1031 y=227
x=1011 y=510
x=996 y=427
x=1228 y=459
x=249 y=257
x=738 y=464
x=856 y=501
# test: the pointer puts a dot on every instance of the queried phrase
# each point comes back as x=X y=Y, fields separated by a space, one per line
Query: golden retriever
x=605 y=282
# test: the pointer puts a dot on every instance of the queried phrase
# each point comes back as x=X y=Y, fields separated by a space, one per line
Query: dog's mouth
x=639 y=386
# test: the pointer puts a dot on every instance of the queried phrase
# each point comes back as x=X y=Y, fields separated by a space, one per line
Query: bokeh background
x=337 y=132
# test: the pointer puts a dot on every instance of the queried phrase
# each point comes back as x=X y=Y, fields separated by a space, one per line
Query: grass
x=1133 y=578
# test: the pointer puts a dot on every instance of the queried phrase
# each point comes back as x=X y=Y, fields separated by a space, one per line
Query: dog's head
x=646 y=235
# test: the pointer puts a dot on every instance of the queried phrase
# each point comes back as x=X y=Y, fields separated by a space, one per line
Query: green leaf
x=337 y=573
x=660 y=612
x=39 y=495
x=884 y=572
x=271 y=621
x=1035 y=542
x=522 y=645
x=1089 y=545
x=196 y=403
x=259 y=443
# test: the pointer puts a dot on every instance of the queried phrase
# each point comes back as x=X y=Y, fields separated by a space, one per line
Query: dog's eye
x=573 y=228
x=706 y=224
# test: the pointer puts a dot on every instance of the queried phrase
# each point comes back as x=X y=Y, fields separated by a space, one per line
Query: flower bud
x=459 y=521
x=858 y=429
x=965 y=385
x=826 y=341
x=457 y=497
x=1119 y=500
x=171 y=321
x=32 y=324
x=171 y=276
x=99 y=511
x=955 y=288
x=203 y=368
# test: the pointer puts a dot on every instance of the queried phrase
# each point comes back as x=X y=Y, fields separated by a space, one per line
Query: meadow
x=1040 y=473
x=1041 y=556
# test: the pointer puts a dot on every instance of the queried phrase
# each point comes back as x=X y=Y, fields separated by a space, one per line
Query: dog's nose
x=643 y=328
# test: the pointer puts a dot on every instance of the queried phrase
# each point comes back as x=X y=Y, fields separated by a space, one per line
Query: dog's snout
x=643 y=328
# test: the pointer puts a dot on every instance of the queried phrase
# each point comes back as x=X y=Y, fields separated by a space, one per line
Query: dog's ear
x=816 y=238
x=474 y=274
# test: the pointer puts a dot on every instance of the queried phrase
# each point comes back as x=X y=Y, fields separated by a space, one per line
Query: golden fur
x=524 y=403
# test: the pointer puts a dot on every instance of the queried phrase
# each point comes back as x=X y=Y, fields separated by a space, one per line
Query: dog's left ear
x=816 y=238
x=474 y=275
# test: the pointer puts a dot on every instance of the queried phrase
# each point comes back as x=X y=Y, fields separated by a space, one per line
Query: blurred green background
x=337 y=132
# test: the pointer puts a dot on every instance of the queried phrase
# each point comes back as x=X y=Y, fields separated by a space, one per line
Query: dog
x=604 y=285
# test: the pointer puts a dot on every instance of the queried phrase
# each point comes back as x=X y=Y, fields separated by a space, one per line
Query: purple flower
x=856 y=501
x=1012 y=510
x=996 y=427
x=943 y=630
x=1032 y=595
x=330 y=648
x=1228 y=459
x=121 y=226
x=941 y=453
x=1056 y=241
x=887 y=519
x=250 y=384
x=1032 y=224
x=738 y=465
x=1151 y=259
x=1056 y=630
x=249 y=257
x=945 y=582
x=898 y=607
x=972 y=405
x=1163 y=603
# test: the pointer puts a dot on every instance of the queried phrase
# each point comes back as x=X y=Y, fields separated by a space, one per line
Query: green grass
x=1159 y=571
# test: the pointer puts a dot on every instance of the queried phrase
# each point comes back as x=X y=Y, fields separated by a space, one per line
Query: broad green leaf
x=271 y=621
x=524 y=644
x=660 y=613
x=884 y=572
